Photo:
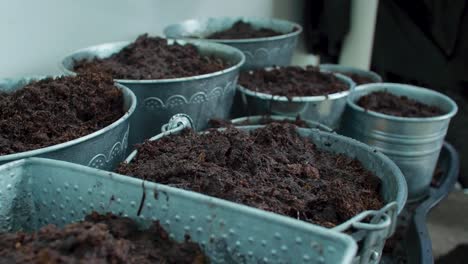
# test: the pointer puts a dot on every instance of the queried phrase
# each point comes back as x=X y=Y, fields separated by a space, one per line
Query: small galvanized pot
x=103 y=149
x=412 y=143
x=351 y=70
x=203 y=96
x=259 y=52
x=369 y=228
x=259 y=120
x=325 y=109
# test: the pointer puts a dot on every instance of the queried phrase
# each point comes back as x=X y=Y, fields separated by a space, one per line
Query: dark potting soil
x=217 y=123
x=359 y=79
x=270 y=168
x=53 y=111
x=153 y=58
x=394 y=105
x=243 y=30
x=292 y=81
x=98 y=239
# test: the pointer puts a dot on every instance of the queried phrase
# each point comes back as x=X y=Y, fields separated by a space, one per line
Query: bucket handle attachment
x=178 y=120
x=380 y=220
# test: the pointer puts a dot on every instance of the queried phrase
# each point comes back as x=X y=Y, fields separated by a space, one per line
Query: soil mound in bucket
x=292 y=81
x=270 y=168
x=53 y=111
x=153 y=58
x=359 y=79
x=394 y=105
x=98 y=239
x=243 y=30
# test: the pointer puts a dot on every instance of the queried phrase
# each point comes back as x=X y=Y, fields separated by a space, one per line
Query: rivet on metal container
x=412 y=143
x=103 y=149
x=325 y=109
x=371 y=234
x=227 y=232
x=351 y=70
x=259 y=52
x=202 y=97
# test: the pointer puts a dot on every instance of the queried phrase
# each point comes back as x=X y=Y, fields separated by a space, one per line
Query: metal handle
x=177 y=121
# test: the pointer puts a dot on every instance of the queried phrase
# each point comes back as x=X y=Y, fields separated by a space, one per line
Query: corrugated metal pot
x=259 y=120
x=351 y=70
x=259 y=52
x=203 y=96
x=103 y=149
x=325 y=109
x=369 y=228
x=30 y=191
x=412 y=143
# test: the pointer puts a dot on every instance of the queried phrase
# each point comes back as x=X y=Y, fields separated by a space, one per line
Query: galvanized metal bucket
x=259 y=52
x=369 y=228
x=412 y=143
x=203 y=96
x=259 y=120
x=35 y=192
x=325 y=109
x=103 y=149
x=351 y=70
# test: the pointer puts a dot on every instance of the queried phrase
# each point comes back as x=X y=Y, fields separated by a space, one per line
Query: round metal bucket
x=369 y=228
x=351 y=70
x=202 y=97
x=259 y=52
x=325 y=109
x=260 y=120
x=103 y=149
x=412 y=143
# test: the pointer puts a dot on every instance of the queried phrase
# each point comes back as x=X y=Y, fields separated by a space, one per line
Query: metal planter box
x=259 y=52
x=103 y=149
x=351 y=70
x=35 y=192
x=372 y=234
x=257 y=120
x=412 y=143
x=203 y=96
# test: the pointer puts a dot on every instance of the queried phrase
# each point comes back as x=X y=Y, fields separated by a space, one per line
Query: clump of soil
x=218 y=123
x=153 y=58
x=359 y=79
x=270 y=168
x=292 y=81
x=394 y=105
x=98 y=239
x=242 y=30
x=53 y=111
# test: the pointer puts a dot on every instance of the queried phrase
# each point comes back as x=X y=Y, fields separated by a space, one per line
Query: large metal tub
x=103 y=149
x=36 y=192
x=325 y=109
x=369 y=228
x=203 y=96
x=259 y=52
x=412 y=143
x=351 y=70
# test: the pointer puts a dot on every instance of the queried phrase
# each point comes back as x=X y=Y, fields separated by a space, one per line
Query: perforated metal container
x=102 y=149
x=259 y=52
x=351 y=70
x=259 y=120
x=203 y=96
x=369 y=228
x=325 y=109
x=412 y=143
x=35 y=192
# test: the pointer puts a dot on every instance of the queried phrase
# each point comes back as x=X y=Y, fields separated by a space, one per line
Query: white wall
x=36 y=34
